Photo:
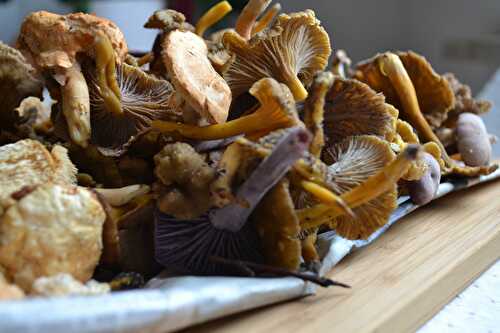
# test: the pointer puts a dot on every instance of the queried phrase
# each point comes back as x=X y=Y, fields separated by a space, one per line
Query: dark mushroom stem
x=187 y=244
x=254 y=269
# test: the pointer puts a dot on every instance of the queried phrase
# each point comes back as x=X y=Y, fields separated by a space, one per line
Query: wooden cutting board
x=399 y=281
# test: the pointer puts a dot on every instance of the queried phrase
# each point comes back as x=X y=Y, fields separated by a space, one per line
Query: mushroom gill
x=291 y=51
x=276 y=110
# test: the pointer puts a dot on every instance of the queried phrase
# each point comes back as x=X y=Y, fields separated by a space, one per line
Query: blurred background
x=460 y=36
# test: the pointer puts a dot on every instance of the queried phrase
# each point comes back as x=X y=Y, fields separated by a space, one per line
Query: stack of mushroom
x=212 y=154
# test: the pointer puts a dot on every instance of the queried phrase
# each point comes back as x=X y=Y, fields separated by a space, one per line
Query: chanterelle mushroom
x=18 y=80
x=291 y=51
x=52 y=42
x=185 y=57
x=277 y=110
x=27 y=164
x=53 y=229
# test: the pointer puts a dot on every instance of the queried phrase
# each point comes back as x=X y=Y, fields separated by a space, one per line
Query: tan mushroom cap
x=185 y=56
x=353 y=108
x=27 y=163
x=434 y=94
x=53 y=40
x=18 y=80
x=291 y=51
x=53 y=229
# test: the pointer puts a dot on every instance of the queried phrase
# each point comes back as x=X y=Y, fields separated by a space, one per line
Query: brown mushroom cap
x=144 y=98
x=53 y=40
x=18 y=80
x=353 y=108
x=167 y=20
x=291 y=52
x=434 y=94
x=356 y=159
x=185 y=56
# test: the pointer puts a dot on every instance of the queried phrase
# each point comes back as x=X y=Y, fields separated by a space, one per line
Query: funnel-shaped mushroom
x=368 y=186
x=185 y=57
x=52 y=43
x=224 y=232
x=387 y=73
x=353 y=108
x=127 y=102
x=291 y=52
x=18 y=80
x=277 y=110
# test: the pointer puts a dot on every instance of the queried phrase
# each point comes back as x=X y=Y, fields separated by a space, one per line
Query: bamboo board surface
x=399 y=281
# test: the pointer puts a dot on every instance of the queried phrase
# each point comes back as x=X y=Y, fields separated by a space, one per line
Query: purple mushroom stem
x=286 y=152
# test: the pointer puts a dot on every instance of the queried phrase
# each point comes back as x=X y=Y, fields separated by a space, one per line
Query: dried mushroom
x=224 y=232
x=27 y=164
x=52 y=42
x=44 y=232
x=277 y=110
x=185 y=57
x=185 y=179
x=291 y=51
x=20 y=80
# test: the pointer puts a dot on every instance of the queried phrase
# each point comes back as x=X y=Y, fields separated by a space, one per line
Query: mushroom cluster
x=218 y=152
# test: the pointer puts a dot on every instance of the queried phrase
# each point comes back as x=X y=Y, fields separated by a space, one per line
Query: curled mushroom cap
x=185 y=57
x=53 y=40
x=18 y=80
x=434 y=94
x=291 y=52
x=27 y=163
x=353 y=108
x=55 y=222
x=276 y=110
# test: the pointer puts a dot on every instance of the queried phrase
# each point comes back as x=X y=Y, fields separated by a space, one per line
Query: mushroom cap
x=278 y=227
x=55 y=222
x=185 y=57
x=353 y=108
x=18 y=80
x=434 y=94
x=144 y=98
x=51 y=40
x=295 y=47
x=27 y=163
x=167 y=20
x=354 y=160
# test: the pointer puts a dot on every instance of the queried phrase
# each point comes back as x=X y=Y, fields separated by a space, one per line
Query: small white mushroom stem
x=248 y=17
x=121 y=196
x=76 y=105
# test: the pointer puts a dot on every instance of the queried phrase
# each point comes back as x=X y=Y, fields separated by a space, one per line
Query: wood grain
x=399 y=281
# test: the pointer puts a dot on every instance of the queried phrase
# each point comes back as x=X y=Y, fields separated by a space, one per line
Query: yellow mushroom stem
x=370 y=189
x=228 y=165
x=145 y=59
x=308 y=181
x=295 y=86
x=106 y=74
x=266 y=118
x=212 y=16
x=248 y=17
x=76 y=106
x=266 y=19
x=391 y=66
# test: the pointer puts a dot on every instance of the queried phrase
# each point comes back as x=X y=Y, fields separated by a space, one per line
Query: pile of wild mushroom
x=223 y=153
